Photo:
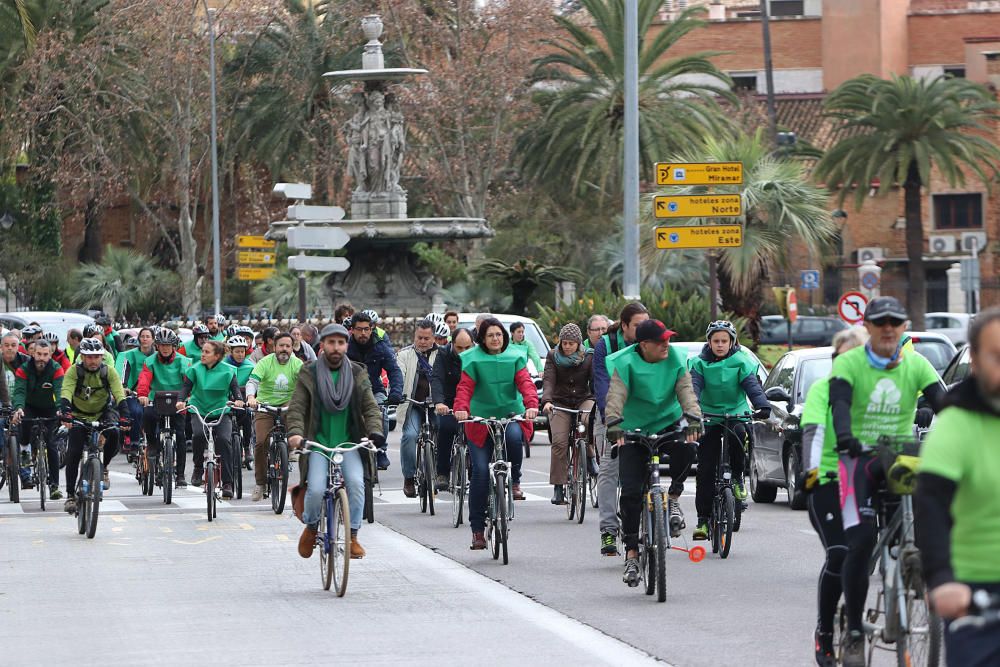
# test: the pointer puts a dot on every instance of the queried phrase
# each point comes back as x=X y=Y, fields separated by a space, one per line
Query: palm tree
x=898 y=131
x=27 y=28
x=123 y=279
x=523 y=277
x=280 y=292
x=579 y=140
x=779 y=204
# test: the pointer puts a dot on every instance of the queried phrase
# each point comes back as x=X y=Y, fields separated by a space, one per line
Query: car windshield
x=936 y=352
x=812 y=370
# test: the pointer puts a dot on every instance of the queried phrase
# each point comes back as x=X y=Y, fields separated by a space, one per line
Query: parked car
x=775 y=459
x=936 y=347
x=56 y=322
x=958 y=369
x=807 y=330
x=953 y=325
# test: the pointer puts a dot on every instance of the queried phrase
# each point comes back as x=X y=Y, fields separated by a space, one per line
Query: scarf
x=575 y=359
x=334 y=397
x=878 y=362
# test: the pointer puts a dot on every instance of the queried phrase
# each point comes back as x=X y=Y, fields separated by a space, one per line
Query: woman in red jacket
x=495 y=383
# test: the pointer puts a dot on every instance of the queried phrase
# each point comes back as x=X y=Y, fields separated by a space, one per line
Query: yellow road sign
x=253 y=257
x=701 y=236
x=699 y=173
x=698 y=206
x=255 y=242
x=253 y=272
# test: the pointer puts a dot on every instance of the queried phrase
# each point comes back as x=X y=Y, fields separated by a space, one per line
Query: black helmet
x=166 y=337
x=200 y=330
x=131 y=342
x=92 y=330
x=103 y=320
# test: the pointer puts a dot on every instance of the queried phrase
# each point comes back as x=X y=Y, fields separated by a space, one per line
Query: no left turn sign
x=851 y=307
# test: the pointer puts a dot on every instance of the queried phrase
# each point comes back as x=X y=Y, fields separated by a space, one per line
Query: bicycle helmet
x=220 y=319
x=131 y=342
x=436 y=318
x=238 y=341
x=92 y=330
x=199 y=330
x=721 y=325
x=90 y=348
x=441 y=330
x=51 y=337
x=231 y=330
x=30 y=330
x=348 y=322
x=103 y=320
x=373 y=315
x=166 y=337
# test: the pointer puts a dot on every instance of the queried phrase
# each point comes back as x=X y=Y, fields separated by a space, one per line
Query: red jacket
x=62 y=359
x=477 y=433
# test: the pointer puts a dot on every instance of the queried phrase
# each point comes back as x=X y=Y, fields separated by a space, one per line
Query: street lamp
x=216 y=252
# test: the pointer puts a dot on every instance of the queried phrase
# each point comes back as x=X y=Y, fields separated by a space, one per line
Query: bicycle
x=578 y=479
x=89 y=489
x=162 y=471
x=371 y=477
x=276 y=486
x=901 y=620
x=500 y=508
x=9 y=465
x=39 y=469
x=726 y=512
x=458 y=481
x=213 y=461
x=426 y=455
x=237 y=455
x=333 y=536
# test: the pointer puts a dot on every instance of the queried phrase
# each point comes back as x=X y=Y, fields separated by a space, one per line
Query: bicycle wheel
x=501 y=523
x=429 y=459
x=167 y=469
x=592 y=488
x=210 y=488
x=82 y=506
x=726 y=529
x=237 y=448
x=660 y=542
x=42 y=472
x=94 y=503
x=420 y=481
x=13 y=473
x=647 y=551
x=581 y=479
x=918 y=645
x=571 y=466
x=340 y=542
x=324 y=541
x=457 y=484
x=279 y=479
x=738 y=519
x=492 y=511
x=370 y=497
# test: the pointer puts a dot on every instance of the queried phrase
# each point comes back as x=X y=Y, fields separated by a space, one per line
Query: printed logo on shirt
x=281 y=382
x=885 y=398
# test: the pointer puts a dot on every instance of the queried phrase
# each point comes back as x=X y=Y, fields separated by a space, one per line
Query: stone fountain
x=385 y=273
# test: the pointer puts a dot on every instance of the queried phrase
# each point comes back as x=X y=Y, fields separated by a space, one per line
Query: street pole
x=772 y=115
x=216 y=251
x=630 y=283
x=302 y=297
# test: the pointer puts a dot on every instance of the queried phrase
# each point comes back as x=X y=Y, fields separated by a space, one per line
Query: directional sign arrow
x=662 y=236
x=322 y=264
x=306 y=212
x=317 y=238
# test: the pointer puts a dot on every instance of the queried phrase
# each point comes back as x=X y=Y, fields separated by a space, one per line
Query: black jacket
x=447 y=373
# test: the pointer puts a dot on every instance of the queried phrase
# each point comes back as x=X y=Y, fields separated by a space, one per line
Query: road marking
x=117 y=518
x=191 y=543
x=11 y=508
x=281 y=538
x=166 y=529
x=112 y=506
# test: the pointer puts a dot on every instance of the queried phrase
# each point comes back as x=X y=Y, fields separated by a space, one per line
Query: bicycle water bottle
x=86 y=486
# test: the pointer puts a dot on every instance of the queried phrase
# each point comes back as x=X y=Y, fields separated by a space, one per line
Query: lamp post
x=630 y=178
x=216 y=251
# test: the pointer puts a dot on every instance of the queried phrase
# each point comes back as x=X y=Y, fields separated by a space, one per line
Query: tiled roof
x=801 y=114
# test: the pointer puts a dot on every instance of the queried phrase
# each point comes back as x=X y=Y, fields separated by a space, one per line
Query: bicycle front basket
x=165 y=403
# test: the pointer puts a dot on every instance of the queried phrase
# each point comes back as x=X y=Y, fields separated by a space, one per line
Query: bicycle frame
x=209 y=427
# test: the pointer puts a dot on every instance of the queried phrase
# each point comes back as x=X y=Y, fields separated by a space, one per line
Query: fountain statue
x=385 y=274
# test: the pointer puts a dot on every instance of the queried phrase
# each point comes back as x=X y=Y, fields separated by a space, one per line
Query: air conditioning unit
x=973 y=241
x=941 y=244
x=873 y=254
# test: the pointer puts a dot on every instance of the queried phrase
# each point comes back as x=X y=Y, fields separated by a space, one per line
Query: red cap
x=653 y=330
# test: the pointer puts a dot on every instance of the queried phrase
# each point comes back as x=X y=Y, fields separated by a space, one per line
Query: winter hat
x=571 y=332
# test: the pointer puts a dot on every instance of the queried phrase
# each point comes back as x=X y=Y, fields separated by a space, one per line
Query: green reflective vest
x=495 y=394
x=210 y=388
x=652 y=404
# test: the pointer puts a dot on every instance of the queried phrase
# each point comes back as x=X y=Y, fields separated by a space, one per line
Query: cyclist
x=164 y=371
x=129 y=365
x=216 y=327
x=495 y=382
x=266 y=346
x=333 y=404
x=873 y=392
x=417 y=362
x=618 y=337
x=91 y=391
x=112 y=341
x=444 y=382
x=58 y=355
x=96 y=332
x=193 y=349
x=956 y=503
x=651 y=390
x=343 y=311
x=37 y=386
x=442 y=334
x=238 y=346
x=271 y=382
x=451 y=319
x=819 y=449
x=29 y=334
x=724 y=378
x=567 y=384
x=299 y=348
x=73 y=338
x=378 y=332
x=519 y=344
x=207 y=386
x=597 y=326
x=376 y=353
x=11 y=358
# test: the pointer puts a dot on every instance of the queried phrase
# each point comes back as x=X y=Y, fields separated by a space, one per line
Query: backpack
x=103 y=371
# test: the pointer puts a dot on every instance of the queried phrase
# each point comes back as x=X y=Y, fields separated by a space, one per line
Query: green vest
x=242 y=371
x=495 y=395
x=167 y=377
x=620 y=343
x=210 y=389
x=722 y=392
x=134 y=358
x=652 y=404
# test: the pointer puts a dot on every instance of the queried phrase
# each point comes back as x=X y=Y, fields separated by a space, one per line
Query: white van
x=58 y=323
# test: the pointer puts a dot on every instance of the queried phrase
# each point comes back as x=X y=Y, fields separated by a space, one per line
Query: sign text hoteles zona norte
x=700 y=236
x=699 y=173
x=698 y=206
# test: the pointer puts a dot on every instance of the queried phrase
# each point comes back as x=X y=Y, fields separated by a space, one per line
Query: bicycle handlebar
x=984 y=610
x=714 y=415
x=571 y=411
x=313 y=446
x=203 y=418
x=271 y=409
x=493 y=420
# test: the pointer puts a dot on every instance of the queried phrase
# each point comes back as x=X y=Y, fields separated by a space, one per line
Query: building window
x=955 y=72
x=787 y=7
x=744 y=82
x=963 y=211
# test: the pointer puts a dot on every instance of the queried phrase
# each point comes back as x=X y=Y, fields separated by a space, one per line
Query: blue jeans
x=408 y=448
x=316 y=480
x=479 y=483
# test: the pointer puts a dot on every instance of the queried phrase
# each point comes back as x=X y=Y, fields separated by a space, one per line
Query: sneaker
x=26 y=482
x=677 y=523
x=631 y=576
x=739 y=492
x=227 y=491
x=70 y=505
x=106 y=481
x=181 y=483
x=54 y=492
x=197 y=477
x=825 y=656
x=701 y=531
x=258 y=493
x=441 y=483
x=382 y=459
x=592 y=468
x=609 y=544
x=558 y=495
x=854 y=649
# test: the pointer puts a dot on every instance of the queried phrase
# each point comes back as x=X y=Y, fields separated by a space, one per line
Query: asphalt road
x=161 y=582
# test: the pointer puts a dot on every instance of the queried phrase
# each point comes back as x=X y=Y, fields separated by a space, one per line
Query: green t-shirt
x=816 y=412
x=722 y=393
x=495 y=394
x=333 y=426
x=277 y=382
x=964 y=446
x=652 y=403
x=884 y=401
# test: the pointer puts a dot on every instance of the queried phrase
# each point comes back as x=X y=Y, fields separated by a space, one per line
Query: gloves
x=850 y=446
x=812 y=477
x=762 y=413
x=393 y=400
x=377 y=439
x=924 y=417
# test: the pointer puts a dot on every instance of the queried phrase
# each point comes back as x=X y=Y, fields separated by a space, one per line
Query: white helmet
x=372 y=314
x=441 y=330
x=237 y=341
x=436 y=318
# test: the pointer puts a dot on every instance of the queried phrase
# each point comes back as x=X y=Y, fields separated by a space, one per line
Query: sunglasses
x=894 y=322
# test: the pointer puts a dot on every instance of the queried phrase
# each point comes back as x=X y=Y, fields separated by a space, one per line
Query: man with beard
x=333 y=404
x=377 y=355
x=271 y=382
x=417 y=361
x=956 y=503
x=37 y=385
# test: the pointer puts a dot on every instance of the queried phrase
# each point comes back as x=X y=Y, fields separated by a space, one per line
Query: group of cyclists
x=623 y=376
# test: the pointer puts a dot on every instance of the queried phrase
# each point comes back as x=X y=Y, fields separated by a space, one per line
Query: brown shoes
x=409 y=488
x=307 y=542
x=518 y=494
x=357 y=551
x=478 y=541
